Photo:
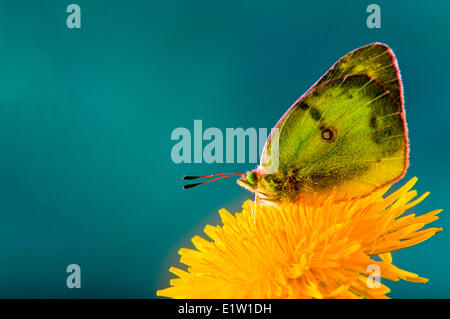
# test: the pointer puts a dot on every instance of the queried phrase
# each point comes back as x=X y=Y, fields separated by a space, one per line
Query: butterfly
x=346 y=134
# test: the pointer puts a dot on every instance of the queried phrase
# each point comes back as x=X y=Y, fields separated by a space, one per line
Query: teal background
x=86 y=117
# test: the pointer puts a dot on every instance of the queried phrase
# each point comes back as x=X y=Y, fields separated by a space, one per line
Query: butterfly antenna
x=222 y=175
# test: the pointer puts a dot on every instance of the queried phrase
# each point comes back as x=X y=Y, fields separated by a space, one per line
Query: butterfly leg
x=257 y=202
x=253 y=208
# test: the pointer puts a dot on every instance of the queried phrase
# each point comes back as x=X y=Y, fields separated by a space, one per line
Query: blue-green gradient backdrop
x=86 y=116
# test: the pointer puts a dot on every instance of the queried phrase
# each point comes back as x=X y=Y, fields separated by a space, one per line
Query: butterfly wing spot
x=379 y=136
x=327 y=134
x=303 y=105
x=388 y=142
x=315 y=114
x=373 y=122
x=313 y=111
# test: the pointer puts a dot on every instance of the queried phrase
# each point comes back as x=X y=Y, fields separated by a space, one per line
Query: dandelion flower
x=313 y=248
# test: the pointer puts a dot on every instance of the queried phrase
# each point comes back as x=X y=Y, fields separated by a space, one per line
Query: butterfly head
x=249 y=180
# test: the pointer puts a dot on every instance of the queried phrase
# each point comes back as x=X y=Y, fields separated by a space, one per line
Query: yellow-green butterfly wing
x=348 y=132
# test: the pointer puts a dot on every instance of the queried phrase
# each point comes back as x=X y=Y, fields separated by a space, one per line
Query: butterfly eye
x=252 y=179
